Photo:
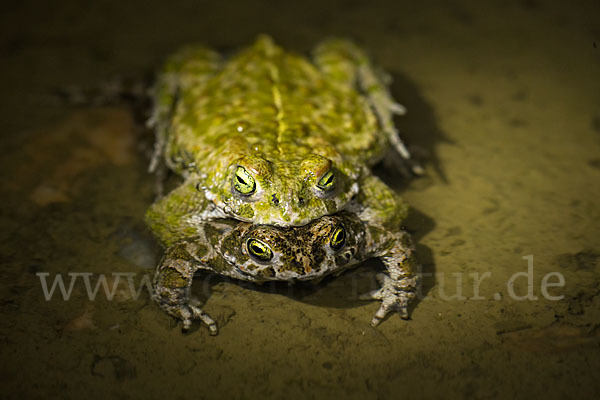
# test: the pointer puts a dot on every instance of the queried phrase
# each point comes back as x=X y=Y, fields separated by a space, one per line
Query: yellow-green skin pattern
x=286 y=121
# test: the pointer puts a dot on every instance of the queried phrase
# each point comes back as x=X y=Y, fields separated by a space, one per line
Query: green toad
x=269 y=136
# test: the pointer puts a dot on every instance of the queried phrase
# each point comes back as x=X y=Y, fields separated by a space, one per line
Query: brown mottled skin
x=296 y=254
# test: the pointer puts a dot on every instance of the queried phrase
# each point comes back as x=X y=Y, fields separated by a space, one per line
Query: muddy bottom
x=503 y=111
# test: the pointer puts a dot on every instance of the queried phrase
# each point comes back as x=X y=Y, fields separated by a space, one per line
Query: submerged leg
x=172 y=286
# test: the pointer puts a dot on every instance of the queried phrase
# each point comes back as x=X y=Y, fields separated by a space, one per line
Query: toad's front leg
x=172 y=286
x=398 y=286
x=382 y=212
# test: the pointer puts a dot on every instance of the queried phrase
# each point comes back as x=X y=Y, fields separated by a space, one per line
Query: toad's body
x=259 y=253
x=269 y=136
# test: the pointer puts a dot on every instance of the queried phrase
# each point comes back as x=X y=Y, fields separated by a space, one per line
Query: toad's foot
x=187 y=312
x=197 y=313
x=397 y=108
x=395 y=295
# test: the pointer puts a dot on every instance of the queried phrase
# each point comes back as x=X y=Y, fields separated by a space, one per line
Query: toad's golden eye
x=338 y=238
x=259 y=250
x=243 y=182
x=327 y=181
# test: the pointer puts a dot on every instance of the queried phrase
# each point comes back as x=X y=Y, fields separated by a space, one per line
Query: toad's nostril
x=275 y=199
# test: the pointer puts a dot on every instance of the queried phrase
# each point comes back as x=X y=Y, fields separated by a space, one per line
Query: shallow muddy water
x=503 y=104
